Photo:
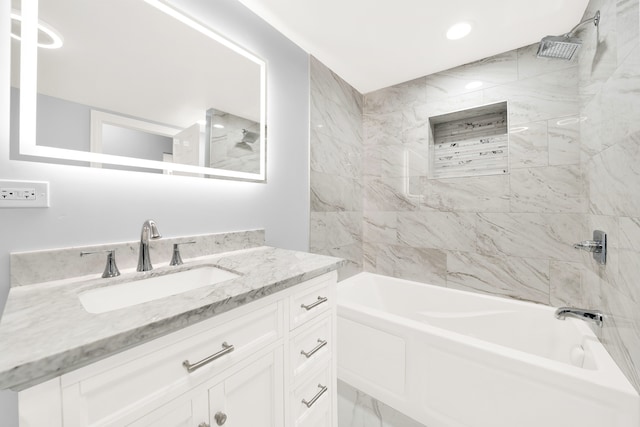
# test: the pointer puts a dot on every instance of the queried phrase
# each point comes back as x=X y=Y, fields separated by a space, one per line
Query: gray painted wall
x=98 y=206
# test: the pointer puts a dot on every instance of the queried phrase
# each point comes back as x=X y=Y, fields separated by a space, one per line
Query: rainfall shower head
x=559 y=47
x=564 y=46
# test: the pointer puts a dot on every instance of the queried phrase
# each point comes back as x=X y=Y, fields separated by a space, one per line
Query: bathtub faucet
x=580 y=313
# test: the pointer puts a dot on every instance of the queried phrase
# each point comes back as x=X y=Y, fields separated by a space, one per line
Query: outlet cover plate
x=24 y=194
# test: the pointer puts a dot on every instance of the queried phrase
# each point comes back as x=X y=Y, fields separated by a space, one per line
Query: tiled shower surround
x=336 y=168
x=574 y=156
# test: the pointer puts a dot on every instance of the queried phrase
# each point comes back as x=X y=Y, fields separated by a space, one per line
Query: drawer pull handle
x=315 y=304
x=315 y=349
x=226 y=349
x=323 y=389
x=204 y=425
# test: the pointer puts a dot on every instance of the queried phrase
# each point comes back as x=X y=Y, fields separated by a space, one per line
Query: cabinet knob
x=220 y=417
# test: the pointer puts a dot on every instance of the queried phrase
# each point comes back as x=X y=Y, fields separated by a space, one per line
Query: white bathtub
x=449 y=358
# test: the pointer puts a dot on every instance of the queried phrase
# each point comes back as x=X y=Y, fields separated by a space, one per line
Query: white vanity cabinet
x=267 y=363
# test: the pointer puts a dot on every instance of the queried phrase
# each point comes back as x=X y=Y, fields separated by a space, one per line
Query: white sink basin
x=144 y=290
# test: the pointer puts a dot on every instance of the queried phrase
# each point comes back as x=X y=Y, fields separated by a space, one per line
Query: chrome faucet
x=580 y=313
x=149 y=231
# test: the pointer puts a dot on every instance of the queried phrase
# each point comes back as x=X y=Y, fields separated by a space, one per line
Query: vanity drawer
x=312 y=399
x=311 y=301
x=106 y=394
x=311 y=346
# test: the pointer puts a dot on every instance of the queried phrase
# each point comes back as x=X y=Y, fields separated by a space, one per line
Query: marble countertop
x=45 y=331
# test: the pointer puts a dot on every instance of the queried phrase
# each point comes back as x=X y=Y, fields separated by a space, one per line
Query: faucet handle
x=110 y=269
x=176 y=259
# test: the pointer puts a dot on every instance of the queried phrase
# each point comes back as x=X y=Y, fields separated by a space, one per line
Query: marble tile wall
x=336 y=168
x=574 y=166
x=609 y=89
x=358 y=409
x=509 y=235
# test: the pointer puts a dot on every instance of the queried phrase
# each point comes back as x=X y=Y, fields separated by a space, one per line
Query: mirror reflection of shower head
x=249 y=137
x=566 y=45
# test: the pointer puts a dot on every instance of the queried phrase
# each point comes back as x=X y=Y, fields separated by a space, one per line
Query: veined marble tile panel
x=335 y=120
x=317 y=231
x=390 y=194
x=599 y=124
x=454 y=103
x=390 y=160
x=529 y=65
x=521 y=278
x=437 y=230
x=478 y=194
x=492 y=71
x=343 y=228
x=395 y=98
x=627 y=27
x=611 y=174
x=629 y=258
x=621 y=331
x=333 y=229
x=569 y=285
x=333 y=156
x=564 y=141
x=358 y=409
x=528 y=145
x=380 y=227
x=382 y=128
x=531 y=235
x=598 y=56
x=326 y=83
x=538 y=98
x=547 y=189
x=419 y=264
x=624 y=88
x=332 y=193
x=369 y=255
x=352 y=253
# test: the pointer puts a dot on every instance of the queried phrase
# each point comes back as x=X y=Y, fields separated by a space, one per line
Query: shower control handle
x=597 y=246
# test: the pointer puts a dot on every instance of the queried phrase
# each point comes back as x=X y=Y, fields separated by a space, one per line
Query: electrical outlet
x=24 y=194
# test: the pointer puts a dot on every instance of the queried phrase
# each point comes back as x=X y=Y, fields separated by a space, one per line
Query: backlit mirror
x=135 y=85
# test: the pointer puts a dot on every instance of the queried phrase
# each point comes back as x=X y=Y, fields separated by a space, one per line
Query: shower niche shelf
x=471 y=142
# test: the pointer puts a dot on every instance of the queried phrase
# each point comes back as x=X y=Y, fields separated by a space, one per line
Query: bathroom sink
x=135 y=292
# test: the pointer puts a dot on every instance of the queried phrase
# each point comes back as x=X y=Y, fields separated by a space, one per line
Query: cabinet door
x=251 y=397
x=188 y=410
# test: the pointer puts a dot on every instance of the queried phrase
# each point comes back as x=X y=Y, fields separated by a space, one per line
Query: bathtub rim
x=606 y=374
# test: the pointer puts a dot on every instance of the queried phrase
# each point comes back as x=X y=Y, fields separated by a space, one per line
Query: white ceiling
x=378 y=43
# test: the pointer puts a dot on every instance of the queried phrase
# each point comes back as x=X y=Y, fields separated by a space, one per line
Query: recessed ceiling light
x=474 y=85
x=54 y=38
x=218 y=126
x=201 y=122
x=458 y=31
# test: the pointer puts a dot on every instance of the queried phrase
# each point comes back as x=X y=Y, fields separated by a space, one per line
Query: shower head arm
x=595 y=20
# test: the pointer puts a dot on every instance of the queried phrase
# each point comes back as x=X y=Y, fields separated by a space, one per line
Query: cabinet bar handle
x=226 y=348
x=315 y=349
x=315 y=304
x=316 y=397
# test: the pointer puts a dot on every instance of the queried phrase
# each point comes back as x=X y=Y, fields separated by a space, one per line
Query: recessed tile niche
x=471 y=142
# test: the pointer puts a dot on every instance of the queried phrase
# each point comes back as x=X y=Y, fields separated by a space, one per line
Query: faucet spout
x=149 y=231
x=592 y=316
